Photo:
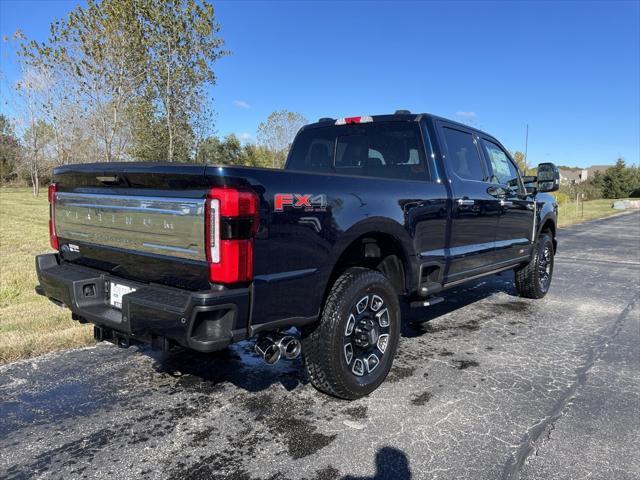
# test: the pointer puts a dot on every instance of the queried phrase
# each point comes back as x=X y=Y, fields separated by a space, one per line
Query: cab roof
x=399 y=116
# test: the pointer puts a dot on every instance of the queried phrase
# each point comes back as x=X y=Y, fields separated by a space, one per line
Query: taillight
x=232 y=217
x=53 y=238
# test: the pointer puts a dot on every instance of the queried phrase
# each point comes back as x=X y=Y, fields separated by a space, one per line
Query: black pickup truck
x=369 y=212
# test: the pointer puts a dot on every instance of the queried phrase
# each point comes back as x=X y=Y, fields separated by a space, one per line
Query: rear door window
x=463 y=157
x=378 y=149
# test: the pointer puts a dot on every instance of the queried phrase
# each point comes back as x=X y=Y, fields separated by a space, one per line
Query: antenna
x=526 y=146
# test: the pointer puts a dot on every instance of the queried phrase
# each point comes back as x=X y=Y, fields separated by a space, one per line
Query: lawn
x=592 y=209
x=30 y=325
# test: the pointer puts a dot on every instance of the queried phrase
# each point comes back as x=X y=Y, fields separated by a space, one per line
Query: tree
x=524 y=166
x=37 y=133
x=150 y=141
x=619 y=181
x=257 y=156
x=10 y=149
x=519 y=159
x=635 y=181
x=597 y=179
x=182 y=45
x=277 y=132
x=135 y=71
x=98 y=55
x=38 y=139
x=44 y=97
x=231 y=152
x=148 y=138
x=221 y=152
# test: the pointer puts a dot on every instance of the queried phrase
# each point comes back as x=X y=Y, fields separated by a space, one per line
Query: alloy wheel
x=545 y=264
x=366 y=335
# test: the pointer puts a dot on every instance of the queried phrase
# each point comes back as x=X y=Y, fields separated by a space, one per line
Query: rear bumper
x=205 y=321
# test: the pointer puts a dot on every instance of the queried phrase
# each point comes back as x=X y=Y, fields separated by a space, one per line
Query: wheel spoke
x=383 y=317
x=376 y=303
x=350 y=324
x=372 y=362
x=383 y=341
x=362 y=304
x=358 y=367
x=348 y=353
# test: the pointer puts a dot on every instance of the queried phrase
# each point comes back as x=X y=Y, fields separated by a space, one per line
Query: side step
x=428 y=302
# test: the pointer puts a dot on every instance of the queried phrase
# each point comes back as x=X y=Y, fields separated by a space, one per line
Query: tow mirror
x=548 y=177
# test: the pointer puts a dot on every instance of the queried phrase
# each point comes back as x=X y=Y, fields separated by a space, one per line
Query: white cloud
x=245 y=137
x=467 y=115
x=241 y=104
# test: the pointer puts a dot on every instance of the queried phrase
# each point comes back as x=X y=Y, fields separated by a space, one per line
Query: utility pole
x=526 y=146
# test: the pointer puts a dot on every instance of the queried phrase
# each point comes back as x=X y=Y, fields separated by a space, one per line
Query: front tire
x=534 y=279
x=350 y=351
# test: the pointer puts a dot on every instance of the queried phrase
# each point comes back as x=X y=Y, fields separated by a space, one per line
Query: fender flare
x=548 y=216
x=374 y=226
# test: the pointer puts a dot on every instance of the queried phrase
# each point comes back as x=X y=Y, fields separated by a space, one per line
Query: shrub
x=561 y=197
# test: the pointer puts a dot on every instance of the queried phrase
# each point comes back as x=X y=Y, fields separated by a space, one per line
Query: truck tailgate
x=165 y=226
x=144 y=222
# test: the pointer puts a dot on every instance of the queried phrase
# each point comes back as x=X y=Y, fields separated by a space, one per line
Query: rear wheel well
x=376 y=251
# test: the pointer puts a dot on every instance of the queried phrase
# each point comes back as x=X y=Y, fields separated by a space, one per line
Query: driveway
x=486 y=386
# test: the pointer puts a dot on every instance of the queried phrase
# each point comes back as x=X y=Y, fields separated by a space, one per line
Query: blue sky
x=571 y=70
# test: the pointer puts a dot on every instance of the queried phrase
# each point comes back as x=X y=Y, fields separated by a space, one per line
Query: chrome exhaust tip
x=268 y=350
x=273 y=347
x=290 y=347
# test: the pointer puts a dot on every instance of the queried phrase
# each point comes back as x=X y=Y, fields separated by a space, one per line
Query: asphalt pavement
x=492 y=386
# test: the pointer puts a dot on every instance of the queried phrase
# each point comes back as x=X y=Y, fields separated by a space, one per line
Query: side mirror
x=548 y=177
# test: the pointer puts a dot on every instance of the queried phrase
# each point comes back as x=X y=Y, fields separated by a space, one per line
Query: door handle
x=466 y=201
x=505 y=203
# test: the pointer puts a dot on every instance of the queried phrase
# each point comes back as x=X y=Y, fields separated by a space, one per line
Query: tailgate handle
x=109 y=180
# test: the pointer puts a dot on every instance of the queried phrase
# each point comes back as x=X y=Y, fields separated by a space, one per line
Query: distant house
x=574 y=176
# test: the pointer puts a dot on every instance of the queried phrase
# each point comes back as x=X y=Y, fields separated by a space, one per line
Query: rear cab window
x=377 y=149
x=464 y=157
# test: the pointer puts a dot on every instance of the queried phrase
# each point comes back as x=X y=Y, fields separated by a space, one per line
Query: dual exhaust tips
x=274 y=346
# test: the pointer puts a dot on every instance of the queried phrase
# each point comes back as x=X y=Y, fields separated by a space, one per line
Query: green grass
x=592 y=209
x=30 y=325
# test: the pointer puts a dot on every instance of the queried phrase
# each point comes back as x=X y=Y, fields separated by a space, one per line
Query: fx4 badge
x=305 y=201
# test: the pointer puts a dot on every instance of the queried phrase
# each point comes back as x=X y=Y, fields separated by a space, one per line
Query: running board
x=426 y=303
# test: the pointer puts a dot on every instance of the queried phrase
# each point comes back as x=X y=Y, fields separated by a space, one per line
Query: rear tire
x=350 y=351
x=534 y=279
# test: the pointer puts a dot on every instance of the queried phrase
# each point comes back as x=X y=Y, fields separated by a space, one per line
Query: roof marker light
x=351 y=120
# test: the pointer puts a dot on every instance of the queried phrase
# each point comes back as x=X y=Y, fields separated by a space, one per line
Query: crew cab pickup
x=367 y=213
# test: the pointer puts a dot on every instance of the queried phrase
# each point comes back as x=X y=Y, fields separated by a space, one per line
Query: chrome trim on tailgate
x=165 y=226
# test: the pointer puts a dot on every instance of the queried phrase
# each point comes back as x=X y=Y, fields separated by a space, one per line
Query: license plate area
x=116 y=292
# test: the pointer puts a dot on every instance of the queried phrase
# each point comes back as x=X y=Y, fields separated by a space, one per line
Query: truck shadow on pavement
x=391 y=463
x=415 y=321
x=240 y=366
x=237 y=364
